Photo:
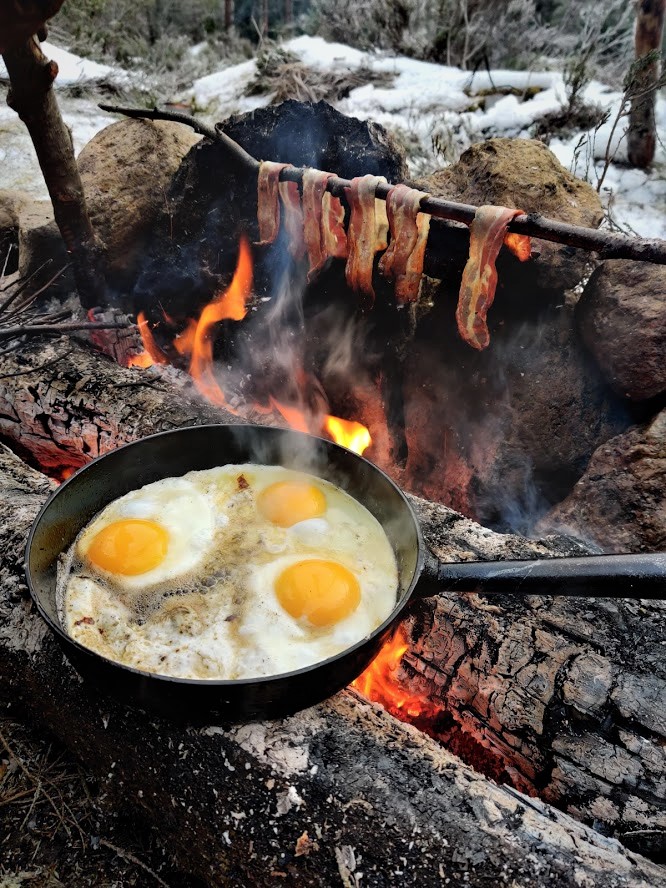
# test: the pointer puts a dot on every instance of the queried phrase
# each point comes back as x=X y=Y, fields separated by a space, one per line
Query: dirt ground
x=53 y=831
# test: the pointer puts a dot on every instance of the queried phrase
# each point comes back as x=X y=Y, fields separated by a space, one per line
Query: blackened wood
x=562 y=697
x=341 y=794
x=31 y=95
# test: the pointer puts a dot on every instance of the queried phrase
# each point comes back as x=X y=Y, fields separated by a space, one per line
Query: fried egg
x=233 y=572
x=149 y=536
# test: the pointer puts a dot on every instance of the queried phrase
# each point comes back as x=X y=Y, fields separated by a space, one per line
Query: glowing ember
x=229 y=305
x=349 y=433
x=380 y=682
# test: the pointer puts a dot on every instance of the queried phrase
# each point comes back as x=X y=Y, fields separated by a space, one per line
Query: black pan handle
x=591 y=576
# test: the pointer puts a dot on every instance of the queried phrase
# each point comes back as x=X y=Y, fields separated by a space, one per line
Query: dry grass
x=281 y=74
x=53 y=832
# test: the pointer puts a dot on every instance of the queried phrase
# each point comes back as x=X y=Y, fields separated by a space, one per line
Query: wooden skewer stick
x=607 y=244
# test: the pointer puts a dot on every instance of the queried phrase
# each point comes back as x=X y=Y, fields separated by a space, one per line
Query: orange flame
x=520 y=245
x=152 y=353
x=296 y=419
x=380 y=682
x=349 y=433
x=229 y=305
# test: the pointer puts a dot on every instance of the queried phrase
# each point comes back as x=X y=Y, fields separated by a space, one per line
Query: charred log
x=559 y=697
x=304 y=799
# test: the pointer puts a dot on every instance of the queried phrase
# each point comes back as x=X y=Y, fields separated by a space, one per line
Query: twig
x=39 y=329
x=22 y=286
x=608 y=244
x=130 y=858
x=6 y=262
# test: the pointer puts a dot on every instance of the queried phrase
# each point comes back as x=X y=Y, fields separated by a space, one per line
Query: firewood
x=559 y=697
x=381 y=803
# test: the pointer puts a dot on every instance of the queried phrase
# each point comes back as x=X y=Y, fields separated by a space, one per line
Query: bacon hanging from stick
x=268 y=205
x=314 y=189
x=368 y=227
x=403 y=260
x=334 y=236
x=487 y=233
x=293 y=218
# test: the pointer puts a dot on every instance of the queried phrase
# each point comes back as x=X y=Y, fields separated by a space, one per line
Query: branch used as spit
x=608 y=244
x=57 y=329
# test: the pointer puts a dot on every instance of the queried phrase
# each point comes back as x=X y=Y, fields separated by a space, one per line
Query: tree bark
x=19 y=19
x=263 y=18
x=228 y=15
x=561 y=697
x=642 y=133
x=341 y=794
x=288 y=12
x=31 y=95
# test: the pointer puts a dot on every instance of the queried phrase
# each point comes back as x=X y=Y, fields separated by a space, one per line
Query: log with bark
x=31 y=95
x=339 y=794
x=642 y=132
x=560 y=697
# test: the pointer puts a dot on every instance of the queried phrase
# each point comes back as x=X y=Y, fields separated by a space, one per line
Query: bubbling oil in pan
x=244 y=572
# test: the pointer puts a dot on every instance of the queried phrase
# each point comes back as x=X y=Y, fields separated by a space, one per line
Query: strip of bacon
x=293 y=218
x=403 y=260
x=365 y=237
x=408 y=285
x=334 y=236
x=268 y=207
x=479 y=281
x=314 y=189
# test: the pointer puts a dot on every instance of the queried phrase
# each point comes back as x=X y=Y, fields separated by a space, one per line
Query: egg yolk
x=322 y=592
x=130 y=546
x=288 y=502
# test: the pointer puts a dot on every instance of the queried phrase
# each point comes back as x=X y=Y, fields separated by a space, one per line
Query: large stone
x=126 y=171
x=622 y=317
x=524 y=173
x=620 y=502
x=317 y=135
x=28 y=228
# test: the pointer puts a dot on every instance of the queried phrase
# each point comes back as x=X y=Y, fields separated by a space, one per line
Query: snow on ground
x=435 y=111
x=18 y=164
x=438 y=111
x=74 y=69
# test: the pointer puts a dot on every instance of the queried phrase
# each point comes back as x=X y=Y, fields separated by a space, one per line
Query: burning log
x=560 y=697
x=303 y=799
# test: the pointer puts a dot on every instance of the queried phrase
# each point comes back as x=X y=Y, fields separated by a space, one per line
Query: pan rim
x=220 y=683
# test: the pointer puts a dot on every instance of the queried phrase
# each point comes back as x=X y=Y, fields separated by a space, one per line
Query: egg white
x=176 y=505
x=229 y=623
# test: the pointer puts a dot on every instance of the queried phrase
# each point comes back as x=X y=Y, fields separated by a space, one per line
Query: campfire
x=423 y=376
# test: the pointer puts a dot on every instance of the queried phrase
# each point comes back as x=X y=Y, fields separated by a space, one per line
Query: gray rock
x=622 y=318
